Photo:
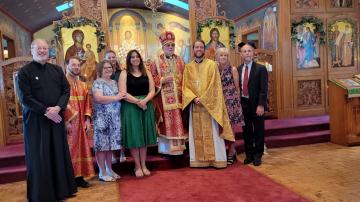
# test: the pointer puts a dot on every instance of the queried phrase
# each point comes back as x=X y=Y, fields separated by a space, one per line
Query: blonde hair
x=222 y=50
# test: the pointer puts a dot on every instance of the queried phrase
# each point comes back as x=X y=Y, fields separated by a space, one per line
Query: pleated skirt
x=138 y=126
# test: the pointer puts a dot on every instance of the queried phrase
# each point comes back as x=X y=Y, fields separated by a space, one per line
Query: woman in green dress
x=137 y=111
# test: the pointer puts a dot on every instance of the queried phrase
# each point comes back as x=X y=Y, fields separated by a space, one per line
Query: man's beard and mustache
x=201 y=56
x=41 y=58
x=73 y=73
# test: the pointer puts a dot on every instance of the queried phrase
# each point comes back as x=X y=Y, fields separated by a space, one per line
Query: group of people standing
x=205 y=102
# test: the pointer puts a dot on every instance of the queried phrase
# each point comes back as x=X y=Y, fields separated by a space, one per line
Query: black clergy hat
x=250 y=43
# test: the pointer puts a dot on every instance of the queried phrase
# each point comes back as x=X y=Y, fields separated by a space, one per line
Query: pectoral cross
x=197 y=83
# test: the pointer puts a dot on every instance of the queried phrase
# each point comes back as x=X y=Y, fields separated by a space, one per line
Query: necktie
x=245 y=89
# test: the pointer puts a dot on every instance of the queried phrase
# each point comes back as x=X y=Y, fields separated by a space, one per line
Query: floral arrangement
x=315 y=22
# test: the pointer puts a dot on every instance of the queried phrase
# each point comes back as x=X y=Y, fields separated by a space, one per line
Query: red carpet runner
x=236 y=183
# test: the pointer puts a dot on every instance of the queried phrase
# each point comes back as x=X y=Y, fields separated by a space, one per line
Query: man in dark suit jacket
x=253 y=86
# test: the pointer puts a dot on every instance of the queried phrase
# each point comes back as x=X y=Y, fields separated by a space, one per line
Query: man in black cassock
x=44 y=93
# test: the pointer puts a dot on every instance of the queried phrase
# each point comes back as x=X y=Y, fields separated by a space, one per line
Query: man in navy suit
x=253 y=87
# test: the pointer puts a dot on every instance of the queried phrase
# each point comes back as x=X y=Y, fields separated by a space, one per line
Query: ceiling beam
x=14 y=19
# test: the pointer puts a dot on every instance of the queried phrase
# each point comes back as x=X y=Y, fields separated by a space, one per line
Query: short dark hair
x=250 y=43
x=199 y=40
x=72 y=57
x=100 y=67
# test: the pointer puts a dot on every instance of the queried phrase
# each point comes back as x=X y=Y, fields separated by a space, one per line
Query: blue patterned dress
x=107 y=134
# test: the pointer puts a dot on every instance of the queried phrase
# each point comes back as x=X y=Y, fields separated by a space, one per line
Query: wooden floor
x=319 y=172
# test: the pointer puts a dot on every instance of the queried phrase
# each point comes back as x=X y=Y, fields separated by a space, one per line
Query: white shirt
x=242 y=76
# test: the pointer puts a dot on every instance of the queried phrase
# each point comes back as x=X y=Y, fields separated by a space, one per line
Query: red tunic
x=77 y=109
x=168 y=102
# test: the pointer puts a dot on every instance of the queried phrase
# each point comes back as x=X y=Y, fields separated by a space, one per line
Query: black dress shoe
x=80 y=182
x=257 y=162
x=248 y=160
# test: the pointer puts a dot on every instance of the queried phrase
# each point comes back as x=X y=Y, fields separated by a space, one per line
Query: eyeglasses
x=40 y=48
x=170 y=44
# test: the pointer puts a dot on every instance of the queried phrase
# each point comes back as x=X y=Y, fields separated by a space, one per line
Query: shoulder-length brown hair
x=100 y=67
x=129 y=66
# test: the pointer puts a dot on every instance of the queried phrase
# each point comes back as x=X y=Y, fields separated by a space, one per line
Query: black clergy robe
x=50 y=175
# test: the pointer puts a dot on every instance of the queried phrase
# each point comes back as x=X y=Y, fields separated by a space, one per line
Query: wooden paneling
x=309 y=96
x=10 y=120
x=309 y=6
x=254 y=30
x=1 y=48
x=324 y=12
x=331 y=8
x=265 y=58
x=199 y=10
x=344 y=116
x=285 y=92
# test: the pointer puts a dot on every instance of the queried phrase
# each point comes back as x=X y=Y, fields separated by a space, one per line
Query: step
x=12 y=155
x=164 y=162
x=290 y=140
x=277 y=127
x=296 y=125
x=10 y=174
x=298 y=139
x=17 y=173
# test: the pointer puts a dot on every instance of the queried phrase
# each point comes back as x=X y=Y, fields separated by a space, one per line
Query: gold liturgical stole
x=203 y=81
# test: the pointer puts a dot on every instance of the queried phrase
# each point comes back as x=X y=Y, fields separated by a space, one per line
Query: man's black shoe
x=248 y=160
x=257 y=162
x=80 y=182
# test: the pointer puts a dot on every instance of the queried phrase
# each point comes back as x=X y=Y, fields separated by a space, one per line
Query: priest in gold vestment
x=209 y=123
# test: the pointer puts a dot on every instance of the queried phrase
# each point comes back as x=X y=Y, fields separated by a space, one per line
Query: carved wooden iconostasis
x=324 y=46
x=11 y=120
x=10 y=109
x=268 y=59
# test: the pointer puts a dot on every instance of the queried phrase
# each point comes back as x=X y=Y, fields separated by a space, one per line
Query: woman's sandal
x=146 y=172
x=113 y=174
x=106 y=178
x=138 y=172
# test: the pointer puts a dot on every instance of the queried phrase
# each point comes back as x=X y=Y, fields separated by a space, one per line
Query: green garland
x=78 y=22
x=346 y=20
x=317 y=23
x=219 y=23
